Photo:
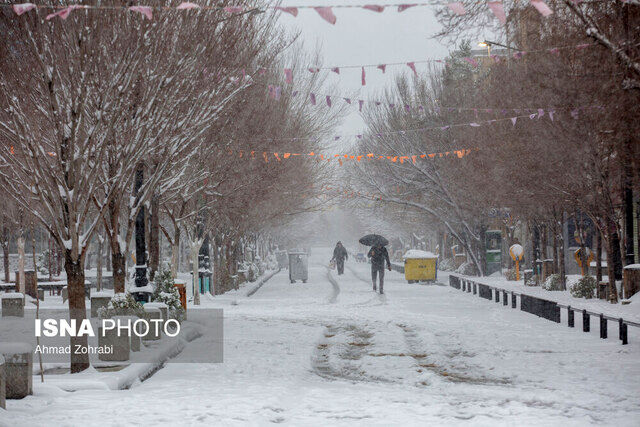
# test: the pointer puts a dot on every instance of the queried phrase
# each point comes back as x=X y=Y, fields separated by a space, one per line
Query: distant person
x=378 y=255
x=339 y=256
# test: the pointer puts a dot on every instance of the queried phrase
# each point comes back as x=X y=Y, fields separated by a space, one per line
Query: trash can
x=298 y=267
x=281 y=257
x=420 y=266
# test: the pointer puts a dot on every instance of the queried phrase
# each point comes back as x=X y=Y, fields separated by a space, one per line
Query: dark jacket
x=340 y=253
x=378 y=256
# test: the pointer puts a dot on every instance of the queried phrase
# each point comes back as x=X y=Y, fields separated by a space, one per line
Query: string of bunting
x=551 y=114
x=276 y=93
x=325 y=12
x=471 y=60
x=341 y=158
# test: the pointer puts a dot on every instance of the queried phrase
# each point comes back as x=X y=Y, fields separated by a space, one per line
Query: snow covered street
x=332 y=352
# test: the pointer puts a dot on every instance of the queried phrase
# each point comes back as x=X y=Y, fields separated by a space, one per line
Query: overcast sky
x=364 y=37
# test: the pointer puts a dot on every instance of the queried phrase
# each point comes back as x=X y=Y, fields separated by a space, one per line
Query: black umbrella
x=373 y=240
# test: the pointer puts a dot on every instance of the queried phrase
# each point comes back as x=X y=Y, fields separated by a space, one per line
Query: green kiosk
x=493 y=255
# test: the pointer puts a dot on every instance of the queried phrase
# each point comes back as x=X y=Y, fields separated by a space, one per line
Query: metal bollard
x=469 y=287
x=603 y=327
x=623 y=333
x=504 y=297
x=586 y=321
x=620 y=322
x=475 y=290
x=497 y=294
x=570 y=317
x=514 y=303
x=464 y=283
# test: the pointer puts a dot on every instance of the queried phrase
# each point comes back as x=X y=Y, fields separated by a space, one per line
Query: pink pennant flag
x=347 y=100
x=364 y=81
x=382 y=67
x=542 y=7
x=336 y=70
x=513 y=120
x=554 y=51
x=327 y=14
x=473 y=124
x=374 y=7
x=314 y=70
x=378 y=103
x=271 y=91
x=583 y=46
x=234 y=9
x=412 y=65
x=288 y=74
x=574 y=113
x=445 y=127
x=278 y=93
x=19 y=9
x=532 y=116
x=64 y=13
x=457 y=8
x=328 y=101
x=550 y=112
x=407 y=108
x=262 y=71
x=403 y=7
x=145 y=10
x=518 y=55
x=540 y=112
x=291 y=10
x=498 y=10
x=187 y=5
x=313 y=98
x=360 y=104
x=295 y=93
x=471 y=61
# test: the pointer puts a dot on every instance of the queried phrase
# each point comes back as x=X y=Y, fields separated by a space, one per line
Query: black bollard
x=586 y=321
x=623 y=333
x=504 y=297
x=513 y=300
x=571 y=319
x=497 y=291
x=469 y=287
x=475 y=291
x=620 y=322
x=603 y=327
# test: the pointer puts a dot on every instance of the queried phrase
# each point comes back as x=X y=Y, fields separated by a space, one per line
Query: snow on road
x=332 y=352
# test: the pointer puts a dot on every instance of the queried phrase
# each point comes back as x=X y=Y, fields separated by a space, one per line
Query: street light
x=487 y=45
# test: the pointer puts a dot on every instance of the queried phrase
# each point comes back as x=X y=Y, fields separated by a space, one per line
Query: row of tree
x=108 y=120
x=577 y=157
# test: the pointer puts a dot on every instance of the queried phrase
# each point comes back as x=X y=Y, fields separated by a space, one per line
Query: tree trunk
x=154 y=236
x=20 y=283
x=99 y=264
x=175 y=252
x=119 y=270
x=613 y=248
x=598 y=257
x=77 y=309
x=195 y=250
x=5 y=252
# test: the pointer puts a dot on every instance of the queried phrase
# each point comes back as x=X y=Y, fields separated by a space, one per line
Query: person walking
x=339 y=256
x=378 y=255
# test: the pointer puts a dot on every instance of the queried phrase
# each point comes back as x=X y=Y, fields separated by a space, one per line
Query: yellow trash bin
x=420 y=266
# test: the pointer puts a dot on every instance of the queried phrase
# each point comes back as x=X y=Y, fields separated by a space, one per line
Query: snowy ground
x=332 y=352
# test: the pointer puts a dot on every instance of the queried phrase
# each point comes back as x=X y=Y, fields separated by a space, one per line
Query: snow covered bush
x=468 y=269
x=553 y=283
x=122 y=304
x=533 y=281
x=511 y=274
x=447 y=264
x=584 y=288
x=167 y=293
x=43 y=262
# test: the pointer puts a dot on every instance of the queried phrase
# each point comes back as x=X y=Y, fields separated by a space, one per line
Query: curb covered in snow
x=262 y=282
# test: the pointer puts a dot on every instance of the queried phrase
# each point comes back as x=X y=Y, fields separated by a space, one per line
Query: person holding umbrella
x=378 y=254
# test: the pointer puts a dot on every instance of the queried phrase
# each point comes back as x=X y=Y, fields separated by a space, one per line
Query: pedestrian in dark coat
x=339 y=256
x=378 y=255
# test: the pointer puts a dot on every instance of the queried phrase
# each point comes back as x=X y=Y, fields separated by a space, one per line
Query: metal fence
x=546 y=309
